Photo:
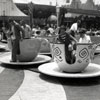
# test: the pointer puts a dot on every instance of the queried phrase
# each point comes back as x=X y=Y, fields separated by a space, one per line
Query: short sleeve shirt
x=74 y=27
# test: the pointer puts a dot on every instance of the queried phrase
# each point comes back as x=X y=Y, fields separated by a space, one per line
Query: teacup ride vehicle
x=29 y=53
x=29 y=49
x=84 y=54
x=82 y=67
x=45 y=44
x=96 y=40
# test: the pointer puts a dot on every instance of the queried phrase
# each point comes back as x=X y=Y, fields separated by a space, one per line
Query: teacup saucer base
x=52 y=69
x=6 y=59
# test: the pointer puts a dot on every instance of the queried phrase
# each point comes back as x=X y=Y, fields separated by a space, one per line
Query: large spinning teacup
x=29 y=49
x=84 y=53
x=45 y=46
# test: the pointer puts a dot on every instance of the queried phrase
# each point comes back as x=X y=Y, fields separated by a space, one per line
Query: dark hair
x=61 y=28
x=22 y=21
x=82 y=31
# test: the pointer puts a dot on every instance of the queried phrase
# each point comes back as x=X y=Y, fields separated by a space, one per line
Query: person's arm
x=29 y=28
x=22 y=30
x=73 y=38
x=30 y=31
x=89 y=39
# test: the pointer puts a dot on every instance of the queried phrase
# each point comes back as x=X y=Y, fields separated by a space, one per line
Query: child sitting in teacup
x=83 y=37
x=70 y=44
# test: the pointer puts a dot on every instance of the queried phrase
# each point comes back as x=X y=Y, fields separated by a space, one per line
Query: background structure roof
x=8 y=8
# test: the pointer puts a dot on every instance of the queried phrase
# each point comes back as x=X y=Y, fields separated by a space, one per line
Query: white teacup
x=84 y=52
x=29 y=49
x=45 y=46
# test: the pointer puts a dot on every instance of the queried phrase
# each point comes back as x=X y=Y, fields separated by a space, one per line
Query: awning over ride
x=9 y=9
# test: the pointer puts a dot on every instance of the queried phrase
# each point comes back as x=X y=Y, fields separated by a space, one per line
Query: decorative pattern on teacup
x=87 y=60
x=57 y=53
x=84 y=53
x=79 y=61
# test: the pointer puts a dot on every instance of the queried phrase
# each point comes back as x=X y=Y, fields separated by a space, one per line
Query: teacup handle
x=93 y=51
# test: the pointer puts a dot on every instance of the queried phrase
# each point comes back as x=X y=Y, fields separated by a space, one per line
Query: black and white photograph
x=49 y=49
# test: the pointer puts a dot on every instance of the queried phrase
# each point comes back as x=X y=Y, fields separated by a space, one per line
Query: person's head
x=62 y=29
x=79 y=22
x=48 y=32
x=22 y=22
x=10 y=21
x=82 y=32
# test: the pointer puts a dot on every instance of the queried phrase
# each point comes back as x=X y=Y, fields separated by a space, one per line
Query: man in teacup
x=17 y=35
